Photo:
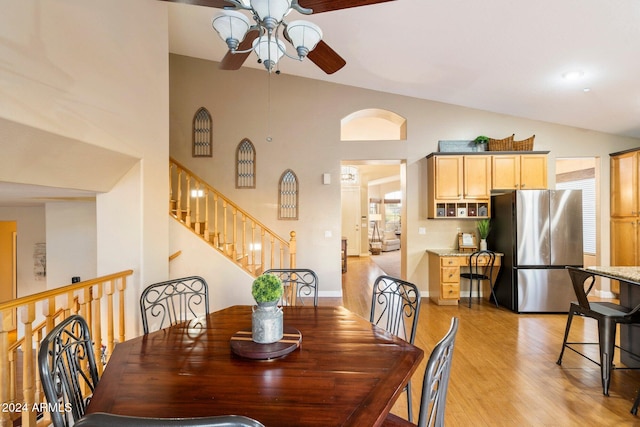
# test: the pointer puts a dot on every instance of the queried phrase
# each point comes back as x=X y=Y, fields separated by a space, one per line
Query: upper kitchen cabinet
x=459 y=185
x=519 y=171
x=624 y=184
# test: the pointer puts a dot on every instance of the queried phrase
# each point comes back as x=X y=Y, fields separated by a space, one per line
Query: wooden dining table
x=346 y=372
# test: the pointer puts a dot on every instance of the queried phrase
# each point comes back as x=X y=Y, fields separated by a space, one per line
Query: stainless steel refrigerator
x=539 y=232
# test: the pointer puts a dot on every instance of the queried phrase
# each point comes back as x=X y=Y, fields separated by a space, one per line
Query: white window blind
x=588 y=187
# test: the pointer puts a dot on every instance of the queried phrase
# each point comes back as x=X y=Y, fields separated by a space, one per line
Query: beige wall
x=305 y=126
x=94 y=73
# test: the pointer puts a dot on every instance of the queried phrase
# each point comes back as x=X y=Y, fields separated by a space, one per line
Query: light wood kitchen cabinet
x=624 y=241
x=624 y=184
x=477 y=173
x=446 y=173
x=625 y=212
x=460 y=184
x=519 y=172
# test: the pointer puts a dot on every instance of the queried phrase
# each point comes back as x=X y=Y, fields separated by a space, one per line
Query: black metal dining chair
x=68 y=370
x=607 y=314
x=395 y=306
x=174 y=301
x=300 y=284
x=434 y=385
x=101 y=419
x=480 y=269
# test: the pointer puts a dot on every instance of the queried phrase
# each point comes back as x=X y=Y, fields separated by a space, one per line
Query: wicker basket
x=505 y=144
x=524 y=145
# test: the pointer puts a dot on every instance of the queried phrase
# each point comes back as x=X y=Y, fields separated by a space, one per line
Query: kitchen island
x=444 y=274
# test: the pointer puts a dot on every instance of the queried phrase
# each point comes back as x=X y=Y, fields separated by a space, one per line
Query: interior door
x=351 y=213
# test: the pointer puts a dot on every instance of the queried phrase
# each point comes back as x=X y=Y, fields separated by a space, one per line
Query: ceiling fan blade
x=326 y=58
x=319 y=6
x=210 y=3
x=233 y=61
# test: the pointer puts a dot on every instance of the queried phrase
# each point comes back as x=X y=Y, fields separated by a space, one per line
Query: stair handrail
x=203 y=185
x=83 y=298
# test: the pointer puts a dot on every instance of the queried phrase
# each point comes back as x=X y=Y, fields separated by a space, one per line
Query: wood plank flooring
x=504 y=367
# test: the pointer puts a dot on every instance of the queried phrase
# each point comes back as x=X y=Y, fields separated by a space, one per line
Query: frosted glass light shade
x=305 y=35
x=275 y=9
x=268 y=51
x=232 y=27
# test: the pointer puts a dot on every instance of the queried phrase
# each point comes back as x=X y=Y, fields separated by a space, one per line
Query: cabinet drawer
x=449 y=291
x=450 y=274
x=449 y=261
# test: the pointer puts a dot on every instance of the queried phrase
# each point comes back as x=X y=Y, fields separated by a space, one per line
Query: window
x=392 y=208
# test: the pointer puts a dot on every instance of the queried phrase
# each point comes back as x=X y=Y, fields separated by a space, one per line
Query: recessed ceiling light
x=572 y=75
x=586 y=89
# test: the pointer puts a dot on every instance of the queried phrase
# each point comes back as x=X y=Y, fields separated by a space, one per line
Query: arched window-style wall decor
x=202 y=133
x=373 y=124
x=288 y=195
x=245 y=165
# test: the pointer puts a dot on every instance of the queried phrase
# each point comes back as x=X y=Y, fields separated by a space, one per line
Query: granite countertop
x=452 y=252
x=628 y=273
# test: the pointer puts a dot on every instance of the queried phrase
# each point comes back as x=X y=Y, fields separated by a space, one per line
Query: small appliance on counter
x=540 y=233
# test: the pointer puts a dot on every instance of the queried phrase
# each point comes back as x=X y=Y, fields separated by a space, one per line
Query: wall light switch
x=326 y=178
x=328 y=234
x=422 y=230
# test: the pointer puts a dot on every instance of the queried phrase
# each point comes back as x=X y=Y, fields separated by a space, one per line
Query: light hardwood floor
x=504 y=369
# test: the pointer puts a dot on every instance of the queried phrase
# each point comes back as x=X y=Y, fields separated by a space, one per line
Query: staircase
x=225 y=226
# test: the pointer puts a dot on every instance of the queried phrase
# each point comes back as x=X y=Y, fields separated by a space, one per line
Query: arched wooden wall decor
x=288 y=195
x=245 y=165
x=202 y=133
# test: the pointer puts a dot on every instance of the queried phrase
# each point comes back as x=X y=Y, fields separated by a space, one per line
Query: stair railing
x=25 y=321
x=225 y=226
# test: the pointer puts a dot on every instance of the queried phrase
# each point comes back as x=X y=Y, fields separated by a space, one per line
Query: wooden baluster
x=122 y=285
x=216 y=230
x=187 y=220
x=109 y=290
x=234 y=230
x=27 y=317
x=5 y=373
x=49 y=313
x=253 y=246
x=96 y=325
x=170 y=187
x=224 y=225
x=207 y=236
x=84 y=298
x=38 y=393
x=197 y=197
x=179 y=196
x=292 y=250
x=243 y=239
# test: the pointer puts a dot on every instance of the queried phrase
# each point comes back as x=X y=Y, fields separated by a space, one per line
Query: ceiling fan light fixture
x=271 y=12
x=269 y=51
x=304 y=36
x=232 y=27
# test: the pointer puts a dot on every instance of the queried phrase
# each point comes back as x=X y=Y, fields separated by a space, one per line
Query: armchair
x=390 y=242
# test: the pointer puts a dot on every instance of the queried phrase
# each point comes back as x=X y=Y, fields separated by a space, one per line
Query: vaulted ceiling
x=502 y=56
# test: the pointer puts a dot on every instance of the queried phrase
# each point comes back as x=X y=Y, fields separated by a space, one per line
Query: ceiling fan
x=322 y=54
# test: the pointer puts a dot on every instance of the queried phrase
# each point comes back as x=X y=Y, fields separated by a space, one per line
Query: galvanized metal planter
x=266 y=323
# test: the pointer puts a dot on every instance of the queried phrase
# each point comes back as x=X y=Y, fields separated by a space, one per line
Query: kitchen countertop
x=621 y=273
x=452 y=252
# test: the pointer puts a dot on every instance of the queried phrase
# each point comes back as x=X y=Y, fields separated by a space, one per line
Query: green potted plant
x=267 y=288
x=484 y=226
x=481 y=142
x=266 y=320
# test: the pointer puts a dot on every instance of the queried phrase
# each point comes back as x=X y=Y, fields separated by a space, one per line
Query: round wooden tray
x=243 y=345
